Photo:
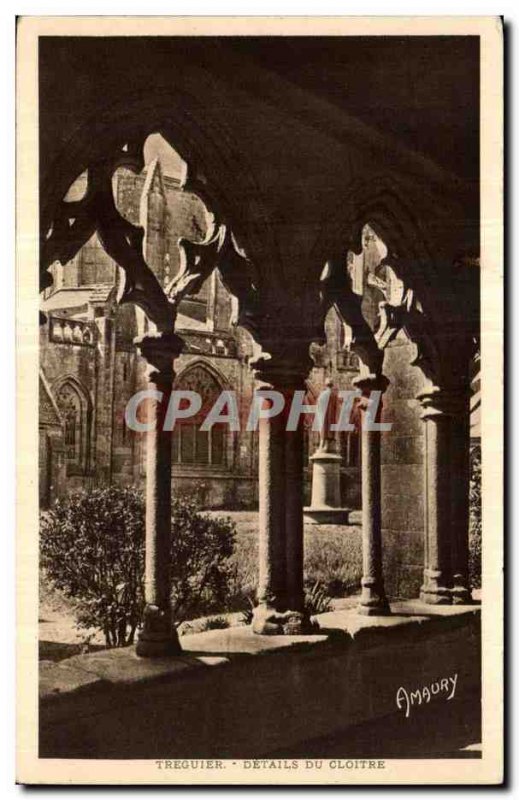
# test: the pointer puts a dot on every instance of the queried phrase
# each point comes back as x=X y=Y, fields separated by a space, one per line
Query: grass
x=333 y=557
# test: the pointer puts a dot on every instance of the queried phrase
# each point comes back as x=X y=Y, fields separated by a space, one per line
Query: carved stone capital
x=287 y=369
x=336 y=291
x=160 y=350
x=437 y=402
x=371 y=383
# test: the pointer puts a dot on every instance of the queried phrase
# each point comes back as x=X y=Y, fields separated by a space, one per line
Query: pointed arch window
x=190 y=444
x=73 y=404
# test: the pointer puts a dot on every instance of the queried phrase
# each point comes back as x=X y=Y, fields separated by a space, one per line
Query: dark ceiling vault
x=423 y=91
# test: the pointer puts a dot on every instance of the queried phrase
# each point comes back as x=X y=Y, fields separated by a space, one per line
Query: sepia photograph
x=260 y=277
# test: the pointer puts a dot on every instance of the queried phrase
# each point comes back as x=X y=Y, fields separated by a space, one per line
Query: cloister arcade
x=290 y=179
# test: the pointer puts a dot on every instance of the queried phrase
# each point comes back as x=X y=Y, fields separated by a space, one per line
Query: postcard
x=260 y=417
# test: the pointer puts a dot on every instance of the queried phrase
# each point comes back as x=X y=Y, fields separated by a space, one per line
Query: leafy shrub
x=92 y=549
x=200 y=569
x=475 y=518
x=244 y=570
x=197 y=492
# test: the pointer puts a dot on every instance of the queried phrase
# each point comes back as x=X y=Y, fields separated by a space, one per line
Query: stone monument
x=325 y=508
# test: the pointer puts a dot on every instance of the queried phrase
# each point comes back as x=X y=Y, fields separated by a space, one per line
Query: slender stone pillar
x=272 y=545
x=447 y=454
x=373 y=600
x=280 y=608
x=158 y=636
x=294 y=529
x=460 y=466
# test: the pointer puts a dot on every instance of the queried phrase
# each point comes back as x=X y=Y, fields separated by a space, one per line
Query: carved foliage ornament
x=221 y=251
x=337 y=291
x=74 y=223
x=444 y=347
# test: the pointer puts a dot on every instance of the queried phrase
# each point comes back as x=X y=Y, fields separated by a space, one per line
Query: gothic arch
x=75 y=406
x=396 y=209
x=383 y=203
x=209 y=367
x=191 y=445
x=218 y=171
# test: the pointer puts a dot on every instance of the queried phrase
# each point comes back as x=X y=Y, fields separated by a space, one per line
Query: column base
x=382 y=610
x=436 y=597
x=158 y=637
x=461 y=596
x=149 y=648
x=433 y=591
x=373 y=600
x=266 y=621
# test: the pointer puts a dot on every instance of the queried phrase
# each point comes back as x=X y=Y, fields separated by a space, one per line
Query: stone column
x=272 y=545
x=294 y=528
x=373 y=600
x=460 y=466
x=447 y=452
x=280 y=608
x=158 y=636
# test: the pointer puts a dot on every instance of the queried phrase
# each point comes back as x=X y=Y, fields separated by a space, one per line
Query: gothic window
x=73 y=404
x=95 y=265
x=71 y=413
x=190 y=444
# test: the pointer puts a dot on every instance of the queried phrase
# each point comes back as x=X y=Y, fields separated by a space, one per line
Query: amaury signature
x=444 y=686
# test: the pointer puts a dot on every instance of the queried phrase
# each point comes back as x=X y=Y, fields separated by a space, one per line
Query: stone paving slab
x=216 y=648
x=122 y=665
x=241 y=640
x=406 y=613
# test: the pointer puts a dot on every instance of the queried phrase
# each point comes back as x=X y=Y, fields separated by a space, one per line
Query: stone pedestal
x=158 y=635
x=325 y=507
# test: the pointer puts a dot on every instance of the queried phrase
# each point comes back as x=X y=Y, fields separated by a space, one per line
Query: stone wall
x=233 y=694
x=402 y=455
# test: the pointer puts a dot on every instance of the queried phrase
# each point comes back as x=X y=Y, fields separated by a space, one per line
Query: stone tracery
x=284 y=306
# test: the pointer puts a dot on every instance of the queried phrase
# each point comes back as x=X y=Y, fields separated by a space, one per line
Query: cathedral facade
x=89 y=366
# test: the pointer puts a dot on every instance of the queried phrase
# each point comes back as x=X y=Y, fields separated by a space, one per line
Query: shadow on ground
x=449 y=730
x=57 y=651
